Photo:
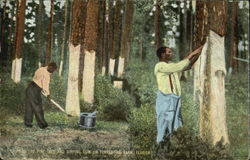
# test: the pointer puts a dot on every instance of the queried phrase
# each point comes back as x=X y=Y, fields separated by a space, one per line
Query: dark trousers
x=33 y=106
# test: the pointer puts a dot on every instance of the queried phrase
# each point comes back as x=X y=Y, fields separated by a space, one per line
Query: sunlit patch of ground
x=59 y=140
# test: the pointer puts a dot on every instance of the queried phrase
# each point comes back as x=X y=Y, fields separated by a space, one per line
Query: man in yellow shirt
x=169 y=90
x=33 y=101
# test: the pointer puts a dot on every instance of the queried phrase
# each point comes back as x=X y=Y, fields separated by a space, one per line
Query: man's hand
x=48 y=98
x=195 y=52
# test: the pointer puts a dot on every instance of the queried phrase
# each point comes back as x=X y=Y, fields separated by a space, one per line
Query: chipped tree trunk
x=126 y=33
x=90 y=47
x=116 y=35
x=50 y=35
x=19 y=35
x=81 y=22
x=101 y=35
x=72 y=98
x=111 y=63
x=105 y=58
x=64 y=37
x=210 y=71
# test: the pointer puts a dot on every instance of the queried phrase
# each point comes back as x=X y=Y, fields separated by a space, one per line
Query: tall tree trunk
x=90 y=47
x=111 y=64
x=105 y=66
x=117 y=35
x=125 y=41
x=234 y=38
x=19 y=35
x=39 y=36
x=50 y=35
x=101 y=35
x=105 y=57
x=82 y=23
x=3 y=51
x=64 y=37
x=72 y=98
x=157 y=21
x=210 y=70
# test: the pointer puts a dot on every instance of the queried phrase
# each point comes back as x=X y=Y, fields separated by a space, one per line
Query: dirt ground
x=108 y=140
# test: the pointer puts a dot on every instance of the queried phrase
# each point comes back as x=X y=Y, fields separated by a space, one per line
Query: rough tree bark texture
x=111 y=63
x=17 y=60
x=64 y=37
x=157 y=25
x=125 y=41
x=90 y=47
x=210 y=70
x=72 y=98
x=39 y=33
x=117 y=22
x=82 y=22
x=50 y=35
x=101 y=34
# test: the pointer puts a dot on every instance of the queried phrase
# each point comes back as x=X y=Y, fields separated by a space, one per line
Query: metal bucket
x=87 y=120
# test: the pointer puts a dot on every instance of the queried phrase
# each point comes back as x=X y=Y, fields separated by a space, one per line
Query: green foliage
x=183 y=144
x=189 y=108
x=112 y=103
x=237 y=101
x=142 y=81
x=58 y=88
x=12 y=95
x=142 y=129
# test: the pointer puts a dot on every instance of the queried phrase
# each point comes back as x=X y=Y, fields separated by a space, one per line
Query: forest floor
x=108 y=140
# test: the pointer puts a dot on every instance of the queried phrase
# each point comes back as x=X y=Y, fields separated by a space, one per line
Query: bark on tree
x=82 y=22
x=90 y=47
x=111 y=62
x=39 y=33
x=2 y=18
x=234 y=39
x=105 y=64
x=157 y=25
x=4 y=34
x=64 y=37
x=210 y=70
x=101 y=35
x=72 y=98
x=117 y=24
x=19 y=35
x=50 y=35
x=126 y=33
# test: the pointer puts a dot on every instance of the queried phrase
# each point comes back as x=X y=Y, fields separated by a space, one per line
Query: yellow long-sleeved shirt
x=42 y=79
x=162 y=72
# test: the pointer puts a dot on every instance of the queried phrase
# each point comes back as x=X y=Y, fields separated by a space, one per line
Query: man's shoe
x=43 y=126
x=28 y=125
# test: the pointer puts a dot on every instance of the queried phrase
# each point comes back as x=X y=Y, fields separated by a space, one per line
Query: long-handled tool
x=58 y=106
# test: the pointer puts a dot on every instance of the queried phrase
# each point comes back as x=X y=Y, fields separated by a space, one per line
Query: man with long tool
x=168 y=96
x=33 y=101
